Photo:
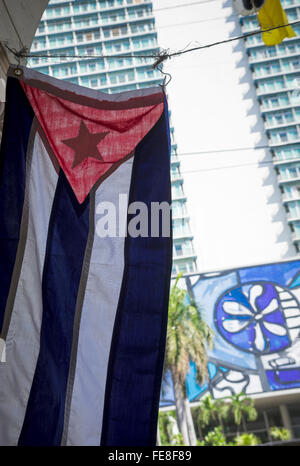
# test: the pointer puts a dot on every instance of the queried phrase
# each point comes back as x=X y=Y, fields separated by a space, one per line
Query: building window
x=283 y=136
x=182 y=268
x=178 y=249
x=90 y=50
x=191 y=267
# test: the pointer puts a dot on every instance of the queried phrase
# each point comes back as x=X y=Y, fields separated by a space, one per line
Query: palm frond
x=188 y=336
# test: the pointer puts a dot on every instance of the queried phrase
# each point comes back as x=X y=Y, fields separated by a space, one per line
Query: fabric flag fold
x=272 y=16
x=82 y=315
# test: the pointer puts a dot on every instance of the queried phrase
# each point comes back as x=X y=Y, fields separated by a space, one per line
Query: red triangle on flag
x=89 y=141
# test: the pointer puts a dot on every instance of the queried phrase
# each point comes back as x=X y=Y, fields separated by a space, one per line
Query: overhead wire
x=159 y=57
x=198 y=21
x=199 y=2
x=162 y=56
x=261 y=164
x=233 y=149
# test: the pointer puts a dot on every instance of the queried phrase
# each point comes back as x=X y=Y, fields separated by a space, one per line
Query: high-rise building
x=75 y=33
x=276 y=75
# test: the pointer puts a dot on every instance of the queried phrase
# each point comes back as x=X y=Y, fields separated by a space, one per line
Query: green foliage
x=163 y=422
x=212 y=410
x=214 y=438
x=246 y=440
x=221 y=409
x=205 y=410
x=177 y=440
x=240 y=406
x=280 y=433
x=165 y=428
x=187 y=337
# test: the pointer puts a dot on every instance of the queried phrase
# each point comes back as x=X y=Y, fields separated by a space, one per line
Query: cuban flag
x=82 y=315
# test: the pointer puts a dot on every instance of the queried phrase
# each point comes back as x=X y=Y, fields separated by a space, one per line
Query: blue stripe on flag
x=16 y=131
x=67 y=237
x=137 y=350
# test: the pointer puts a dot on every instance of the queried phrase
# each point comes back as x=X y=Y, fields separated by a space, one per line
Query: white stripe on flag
x=2 y=350
x=22 y=343
x=97 y=320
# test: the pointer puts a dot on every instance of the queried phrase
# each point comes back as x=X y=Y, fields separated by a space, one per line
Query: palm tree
x=221 y=412
x=206 y=410
x=187 y=338
x=210 y=409
x=241 y=406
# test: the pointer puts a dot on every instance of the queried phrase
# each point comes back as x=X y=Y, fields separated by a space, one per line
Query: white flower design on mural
x=243 y=317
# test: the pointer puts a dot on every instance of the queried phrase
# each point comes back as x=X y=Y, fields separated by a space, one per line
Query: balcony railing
x=260 y=43
x=290 y=198
x=286 y=106
x=296 y=236
x=290 y=3
x=289 y=141
x=182 y=234
x=284 y=124
x=177 y=216
x=97 y=22
x=99 y=8
x=135 y=81
x=286 y=161
x=176 y=177
x=98 y=42
x=293 y=216
x=275 y=74
x=184 y=256
x=124 y=4
x=277 y=90
x=178 y=197
x=106 y=69
x=288 y=180
x=258 y=75
x=265 y=59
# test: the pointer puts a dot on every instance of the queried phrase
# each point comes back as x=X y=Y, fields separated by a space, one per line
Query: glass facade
x=276 y=75
x=71 y=29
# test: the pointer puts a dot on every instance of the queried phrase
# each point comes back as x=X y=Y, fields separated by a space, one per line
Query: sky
x=234 y=204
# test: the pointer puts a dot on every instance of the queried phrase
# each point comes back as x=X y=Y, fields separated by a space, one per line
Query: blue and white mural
x=255 y=315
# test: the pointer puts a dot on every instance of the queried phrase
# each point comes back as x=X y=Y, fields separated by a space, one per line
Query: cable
x=259 y=165
x=216 y=18
x=222 y=167
x=183 y=5
x=159 y=57
x=213 y=44
x=234 y=149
